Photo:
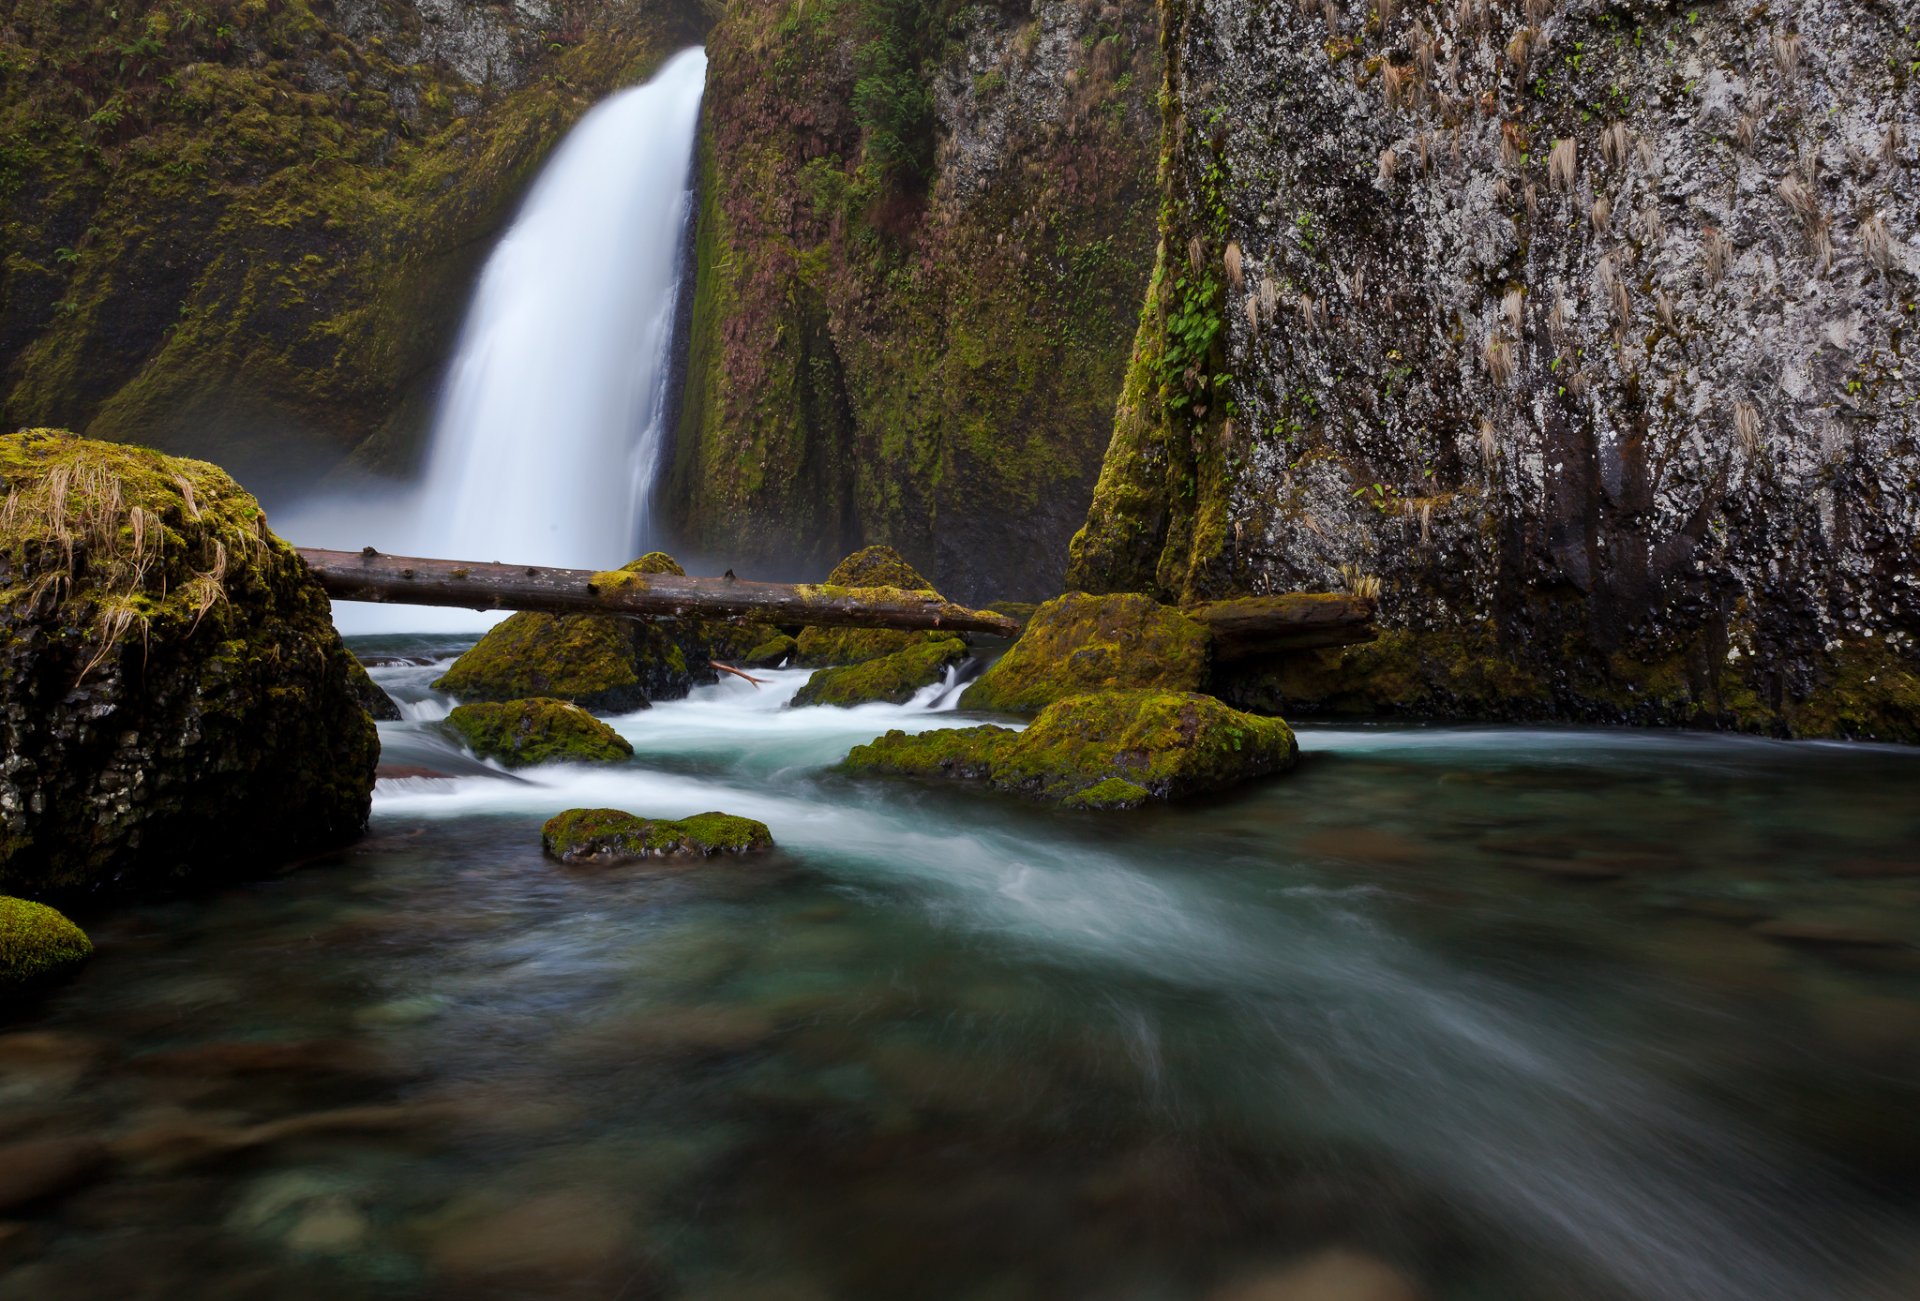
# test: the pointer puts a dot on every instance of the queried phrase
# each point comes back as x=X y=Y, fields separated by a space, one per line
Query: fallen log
x=405 y=580
x=1251 y=626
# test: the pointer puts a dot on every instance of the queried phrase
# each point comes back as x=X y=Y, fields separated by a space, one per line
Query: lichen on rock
x=1078 y=643
x=1112 y=749
x=522 y=733
x=891 y=678
x=174 y=701
x=610 y=835
x=37 y=943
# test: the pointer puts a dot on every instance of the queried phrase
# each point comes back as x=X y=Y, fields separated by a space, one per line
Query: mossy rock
x=522 y=733
x=771 y=653
x=869 y=567
x=37 y=943
x=892 y=678
x=1078 y=643
x=1113 y=749
x=609 y=835
x=378 y=704
x=174 y=701
x=600 y=662
x=1018 y=611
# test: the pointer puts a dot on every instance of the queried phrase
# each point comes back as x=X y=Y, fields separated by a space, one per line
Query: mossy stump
x=892 y=679
x=1102 y=750
x=611 y=836
x=37 y=944
x=523 y=733
x=1078 y=643
x=174 y=701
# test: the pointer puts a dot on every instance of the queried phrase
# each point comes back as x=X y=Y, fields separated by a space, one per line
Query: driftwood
x=369 y=576
x=728 y=668
x=1264 y=625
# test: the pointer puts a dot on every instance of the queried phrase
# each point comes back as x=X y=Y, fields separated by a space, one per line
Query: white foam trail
x=550 y=430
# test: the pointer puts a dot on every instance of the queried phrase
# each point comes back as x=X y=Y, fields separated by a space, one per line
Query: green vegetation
x=868 y=567
x=891 y=678
x=585 y=659
x=608 y=835
x=1077 y=643
x=1097 y=750
x=522 y=733
x=36 y=943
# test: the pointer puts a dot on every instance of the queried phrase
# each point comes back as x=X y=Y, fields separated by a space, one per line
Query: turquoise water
x=1480 y=1013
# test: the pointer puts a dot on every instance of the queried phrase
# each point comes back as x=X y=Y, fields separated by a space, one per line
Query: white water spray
x=551 y=426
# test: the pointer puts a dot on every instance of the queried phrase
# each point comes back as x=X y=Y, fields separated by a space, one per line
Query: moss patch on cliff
x=609 y=835
x=522 y=733
x=37 y=943
x=1111 y=749
x=1078 y=643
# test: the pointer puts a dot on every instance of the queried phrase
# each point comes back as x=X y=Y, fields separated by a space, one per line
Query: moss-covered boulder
x=891 y=678
x=609 y=835
x=521 y=733
x=772 y=653
x=1077 y=643
x=1112 y=749
x=868 y=567
x=174 y=701
x=600 y=662
x=378 y=704
x=37 y=943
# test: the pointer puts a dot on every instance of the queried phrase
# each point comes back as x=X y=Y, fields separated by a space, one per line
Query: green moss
x=1077 y=643
x=585 y=659
x=37 y=942
x=878 y=567
x=771 y=653
x=1166 y=745
x=1113 y=793
x=892 y=678
x=522 y=733
x=1018 y=611
x=609 y=835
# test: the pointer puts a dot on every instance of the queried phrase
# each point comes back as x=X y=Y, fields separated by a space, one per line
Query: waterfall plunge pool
x=1475 y=1014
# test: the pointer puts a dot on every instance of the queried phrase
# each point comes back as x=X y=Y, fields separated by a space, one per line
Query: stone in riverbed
x=609 y=835
x=37 y=943
x=771 y=653
x=1100 y=750
x=1078 y=643
x=521 y=733
x=175 y=704
x=891 y=678
x=868 y=567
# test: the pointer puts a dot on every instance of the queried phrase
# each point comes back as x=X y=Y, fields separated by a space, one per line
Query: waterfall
x=551 y=423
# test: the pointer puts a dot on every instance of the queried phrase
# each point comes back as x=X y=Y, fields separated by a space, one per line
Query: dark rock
x=44 y=1168
x=376 y=702
x=174 y=700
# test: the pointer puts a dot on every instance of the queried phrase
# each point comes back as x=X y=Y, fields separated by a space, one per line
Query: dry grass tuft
x=1716 y=255
x=1269 y=297
x=1664 y=313
x=1513 y=144
x=1512 y=306
x=1653 y=227
x=1745 y=131
x=1559 y=318
x=1533 y=200
x=1788 y=50
x=1252 y=309
x=1563 y=165
x=1389 y=164
x=1616 y=144
x=1196 y=254
x=1876 y=242
x=1489 y=440
x=1497 y=354
x=1891 y=142
x=1236 y=272
x=1362 y=584
x=1601 y=214
x=1520 y=49
x=1398 y=85
x=1746 y=425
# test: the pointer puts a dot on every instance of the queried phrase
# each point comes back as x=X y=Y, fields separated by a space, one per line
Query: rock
x=891 y=678
x=1078 y=643
x=1821 y=933
x=608 y=835
x=174 y=701
x=601 y=663
x=37 y=943
x=574 y=1236
x=1018 y=611
x=1101 y=750
x=1335 y=1275
x=44 y=1168
x=869 y=567
x=378 y=704
x=522 y=733
x=771 y=653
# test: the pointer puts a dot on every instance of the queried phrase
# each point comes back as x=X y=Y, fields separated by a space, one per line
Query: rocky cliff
x=248 y=228
x=924 y=234
x=1585 y=330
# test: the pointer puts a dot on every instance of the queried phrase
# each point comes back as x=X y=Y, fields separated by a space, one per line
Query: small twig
x=728 y=668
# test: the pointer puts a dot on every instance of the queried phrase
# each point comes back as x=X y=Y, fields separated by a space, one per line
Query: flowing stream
x=1471 y=1014
x=551 y=425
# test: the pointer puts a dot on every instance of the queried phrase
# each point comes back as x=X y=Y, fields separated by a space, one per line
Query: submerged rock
x=378 y=704
x=1103 y=750
x=521 y=733
x=599 y=662
x=36 y=943
x=891 y=678
x=609 y=835
x=1077 y=643
x=868 y=567
x=174 y=700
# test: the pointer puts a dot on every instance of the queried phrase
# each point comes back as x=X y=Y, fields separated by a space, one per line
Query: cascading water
x=550 y=429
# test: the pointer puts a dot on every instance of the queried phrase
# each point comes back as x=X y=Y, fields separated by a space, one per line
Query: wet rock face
x=1581 y=328
x=174 y=701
